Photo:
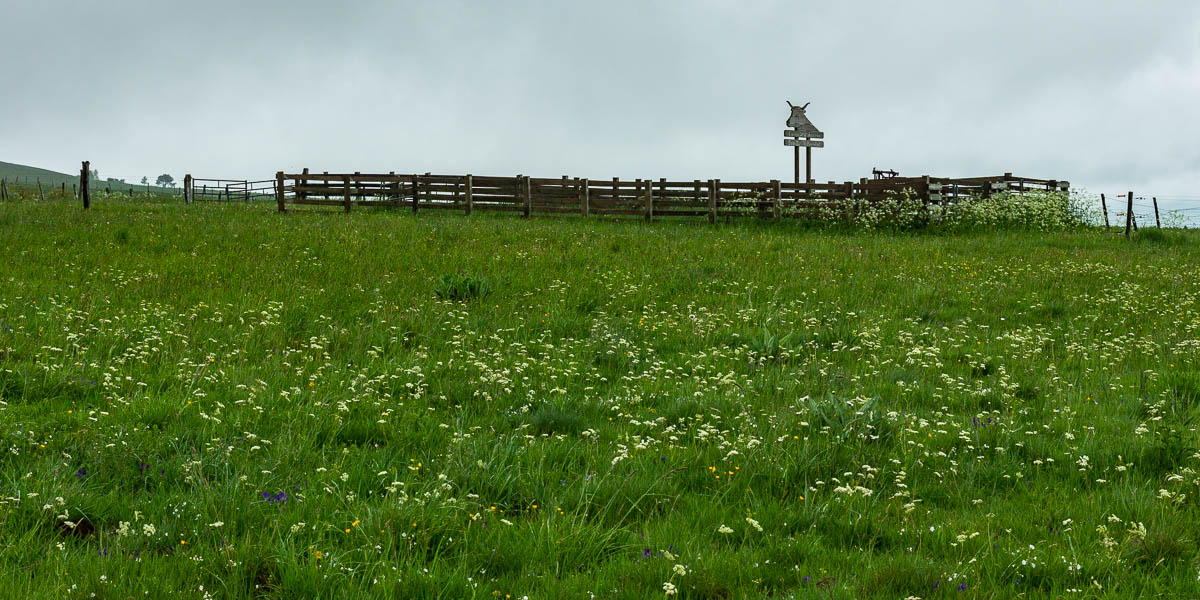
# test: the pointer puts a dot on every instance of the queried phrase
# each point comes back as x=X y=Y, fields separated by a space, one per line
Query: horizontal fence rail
x=645 y=198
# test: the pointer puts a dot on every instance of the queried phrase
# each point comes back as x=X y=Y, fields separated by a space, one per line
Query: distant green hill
x=24 y=174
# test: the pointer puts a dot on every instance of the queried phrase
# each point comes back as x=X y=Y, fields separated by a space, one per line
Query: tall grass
x=219 y=401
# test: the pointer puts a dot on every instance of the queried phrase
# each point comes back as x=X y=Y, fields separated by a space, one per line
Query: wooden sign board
x=816 y=135
x=804 y=143
x=800 y=122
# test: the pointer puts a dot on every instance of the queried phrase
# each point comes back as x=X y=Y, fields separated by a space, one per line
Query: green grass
x=219 y=400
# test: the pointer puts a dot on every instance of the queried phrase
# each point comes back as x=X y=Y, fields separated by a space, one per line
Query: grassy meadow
x=218 y=401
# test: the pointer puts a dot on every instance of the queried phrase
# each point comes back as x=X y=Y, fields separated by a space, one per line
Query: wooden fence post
x=279 y=191
x=41 y=194
x=84 y=187
x=4 y=189
x=1157 y=223
x=1104 y=209
x=527 y=189
x=1128 y=214
x=346 y=192
x=649 y=200
x=616 y=193
x=714 y=186
x=776 y=198
x=416 y=192
x=637 y=192
x=847 y=209
x=584 y=192
x=188 y=194
x=303 y=182
x=470 y=193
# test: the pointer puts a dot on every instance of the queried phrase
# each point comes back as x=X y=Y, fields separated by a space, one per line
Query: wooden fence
x=646 y=198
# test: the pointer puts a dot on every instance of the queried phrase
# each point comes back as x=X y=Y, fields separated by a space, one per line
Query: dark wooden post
x=808 y=178
x=188 y=194
x=470 y=193
x=616 y=194
x=649 y=200
x=1104 y=209
x=41 y=194
x=299 y=195
x=346 y=192
x=1157 y=223
x=416 y=192
x=279 y=191
x=1128 y=214
x=797 y=163
x=776 y=196
x=584 y=192
x=863 y=189
x=527 y=189
x=4 y=189
x=637 y=192
x=925 y=195
x=848 y=202
x=714 y=188
x=84 y=187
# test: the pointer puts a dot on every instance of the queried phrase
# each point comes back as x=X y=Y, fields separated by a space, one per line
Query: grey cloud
x=1101 y=93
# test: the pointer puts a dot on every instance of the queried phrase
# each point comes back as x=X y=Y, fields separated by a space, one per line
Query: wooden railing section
x=646 y=198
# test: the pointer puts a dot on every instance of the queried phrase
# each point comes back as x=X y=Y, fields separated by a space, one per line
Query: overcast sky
x=1104 y=94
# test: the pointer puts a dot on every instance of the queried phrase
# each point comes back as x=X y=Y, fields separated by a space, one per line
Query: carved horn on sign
x=805 y=105
x=790 y=105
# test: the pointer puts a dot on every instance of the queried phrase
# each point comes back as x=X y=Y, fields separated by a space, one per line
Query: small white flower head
x=345 y=477
x=668 y=588
x=680 y=570
x=724 y=529
x=216 y=523
x=754 y=524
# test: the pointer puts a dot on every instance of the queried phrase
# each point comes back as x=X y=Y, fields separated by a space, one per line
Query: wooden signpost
x=84 y=184
x=803 y=134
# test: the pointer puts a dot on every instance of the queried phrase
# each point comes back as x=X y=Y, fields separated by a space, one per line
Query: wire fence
x=1154 y=211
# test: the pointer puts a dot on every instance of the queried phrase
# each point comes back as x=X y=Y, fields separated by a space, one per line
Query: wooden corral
x=646 y=198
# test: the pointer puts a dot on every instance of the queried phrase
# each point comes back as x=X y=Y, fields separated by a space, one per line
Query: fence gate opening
x=227 y=190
